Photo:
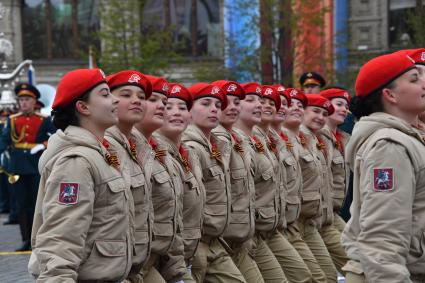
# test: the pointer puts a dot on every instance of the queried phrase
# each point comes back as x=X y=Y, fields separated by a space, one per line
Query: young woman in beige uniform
x=266 y=186
x=299 y=202
x=289 y=259
x=316 y=210
x=167 y=254
x=132 y=88
x=384 y=238
x=336 y=141
x=176 y=120
x=241 y=227
x=212 y=262
x=84 y=223
x=317 y=111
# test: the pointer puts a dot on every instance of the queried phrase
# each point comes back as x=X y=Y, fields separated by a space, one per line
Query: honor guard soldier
x=26 y=133
x=384 y=239
x=312 y=82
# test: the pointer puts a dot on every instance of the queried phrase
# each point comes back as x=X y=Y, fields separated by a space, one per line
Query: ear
x=389 y=95
x=82 y=108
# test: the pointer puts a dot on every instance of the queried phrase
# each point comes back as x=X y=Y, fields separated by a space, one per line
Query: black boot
x=26 y=246
x=25 y=227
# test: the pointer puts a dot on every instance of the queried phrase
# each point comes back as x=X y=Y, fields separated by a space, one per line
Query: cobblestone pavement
x=13 y=267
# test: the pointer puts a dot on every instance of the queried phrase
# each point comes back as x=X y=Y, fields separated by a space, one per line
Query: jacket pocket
x=141 y=247
x=138 y=189
x=110 y=253
x=116 y=199
x=311 y=204
x=239 y=227
x=291 y=168
x=265 y=219
x=163 y=237
x=215 y=219
x=213 y=178
x=237 y=180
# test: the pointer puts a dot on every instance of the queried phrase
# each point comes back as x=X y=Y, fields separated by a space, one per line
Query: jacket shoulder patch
x=383 y=179
x=68 y=193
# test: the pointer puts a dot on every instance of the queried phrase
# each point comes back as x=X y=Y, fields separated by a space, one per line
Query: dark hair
x=67 y=116
x=364 y=106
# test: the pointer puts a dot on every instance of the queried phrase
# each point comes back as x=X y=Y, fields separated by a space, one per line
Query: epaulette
x=40 y=114
x=15 y=115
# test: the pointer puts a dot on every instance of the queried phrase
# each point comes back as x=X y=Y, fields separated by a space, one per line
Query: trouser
x=294 y=237
x=289 y=259
x=242 y=257
x=339 y=223
x=26 y=189
x=4 y=194
x=332 y=238
x=151 y=274
x=311 y=236
x=269 y=266
x=213 y=264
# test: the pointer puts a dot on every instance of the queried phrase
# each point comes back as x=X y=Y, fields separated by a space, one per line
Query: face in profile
x=101 y=107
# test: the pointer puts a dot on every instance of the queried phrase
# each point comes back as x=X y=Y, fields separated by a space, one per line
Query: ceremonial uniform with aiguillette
x=26 y=135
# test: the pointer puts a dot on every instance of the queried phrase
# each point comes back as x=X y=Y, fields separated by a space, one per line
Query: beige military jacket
x=274 y=148
x=385 y=236
x=143 y=201
x=167 y=198
x=133 y=175
x=242 y=222
x=192 y=201
x=265 y=181
x=83 y=227
x=339 y=173
x=210 y=168
x=313 y=177
x=294 y=184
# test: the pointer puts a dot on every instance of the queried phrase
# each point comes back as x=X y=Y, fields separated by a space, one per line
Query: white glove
x=37 y=148
x=180 y=281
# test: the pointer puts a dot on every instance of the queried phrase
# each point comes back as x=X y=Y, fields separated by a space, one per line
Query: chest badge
x=68 y=193
x=383 y=179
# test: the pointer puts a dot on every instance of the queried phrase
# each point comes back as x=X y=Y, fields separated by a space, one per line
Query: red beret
x=200 y=90
x=295 y=93
x=231 y=88
x=180 y=92
x=159 y=84
x=281 y=91
x=418 y=55
x=381 y=71
x=319 y=101
x=130 y=77
x=270 y=92
x=76 y=83
x=252 y=88
x=336 y=93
